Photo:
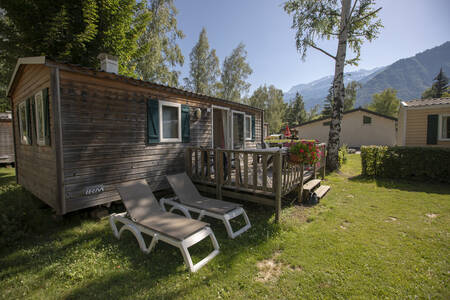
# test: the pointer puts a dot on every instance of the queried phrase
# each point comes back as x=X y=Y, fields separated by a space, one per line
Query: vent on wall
x=109 y=63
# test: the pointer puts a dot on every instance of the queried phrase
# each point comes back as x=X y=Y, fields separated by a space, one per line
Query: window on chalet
x=41 y=117
x=167 y=122
x=23 y=113
x=445 y=127
x=367 y=120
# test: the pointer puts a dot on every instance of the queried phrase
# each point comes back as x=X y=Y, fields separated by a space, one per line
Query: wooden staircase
x=314 y=187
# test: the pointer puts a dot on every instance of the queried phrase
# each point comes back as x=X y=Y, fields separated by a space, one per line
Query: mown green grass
x=366 y=239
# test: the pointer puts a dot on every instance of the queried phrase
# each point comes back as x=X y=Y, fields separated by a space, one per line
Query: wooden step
x=311 y=185
x=322 y=190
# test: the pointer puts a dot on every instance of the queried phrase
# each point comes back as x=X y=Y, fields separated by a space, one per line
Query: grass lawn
x=366 y=239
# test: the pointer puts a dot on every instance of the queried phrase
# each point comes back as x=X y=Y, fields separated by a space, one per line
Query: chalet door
x=221 y=128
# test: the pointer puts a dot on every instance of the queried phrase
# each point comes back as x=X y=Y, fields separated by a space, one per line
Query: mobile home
x=78 y=131
x=6 y=139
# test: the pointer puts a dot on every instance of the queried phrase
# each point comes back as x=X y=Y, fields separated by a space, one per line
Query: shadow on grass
x=405 y=185
x=48 y=250
x=6 y=177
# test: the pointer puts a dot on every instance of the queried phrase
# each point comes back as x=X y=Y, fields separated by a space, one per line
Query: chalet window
x=444 y=127
x=367 y=120
x=248 y=127
x=24 y=122
x=167 y=122
x=41 y=117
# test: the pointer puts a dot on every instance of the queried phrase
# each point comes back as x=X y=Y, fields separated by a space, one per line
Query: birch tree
x=350 y=22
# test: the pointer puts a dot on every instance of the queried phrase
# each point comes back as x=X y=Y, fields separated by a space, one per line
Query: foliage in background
x=343 y=153
x=313 y=113
x=350 y=22
x=385 y=103
x=235 y=71
x=439 y=88
x=162 y=53
x=204 y=69
x=419 y=163
x=349 y=100
x=295 y=112
x=271 y=100
x=142 y=35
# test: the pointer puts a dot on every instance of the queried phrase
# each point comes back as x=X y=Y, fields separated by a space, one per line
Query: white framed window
x=24 y=129
x=39 y=117
x=170 y=121
x=444 y=127
x=248 y=127
x=238 y=130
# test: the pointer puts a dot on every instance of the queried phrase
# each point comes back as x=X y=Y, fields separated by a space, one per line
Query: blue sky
x=410 y=26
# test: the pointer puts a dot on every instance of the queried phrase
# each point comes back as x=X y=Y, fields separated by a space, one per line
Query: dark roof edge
x=348 y=112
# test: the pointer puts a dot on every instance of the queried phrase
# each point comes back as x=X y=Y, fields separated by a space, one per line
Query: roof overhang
x=35 y=60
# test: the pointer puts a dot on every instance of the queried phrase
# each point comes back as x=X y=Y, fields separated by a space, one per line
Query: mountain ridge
x=409 y=76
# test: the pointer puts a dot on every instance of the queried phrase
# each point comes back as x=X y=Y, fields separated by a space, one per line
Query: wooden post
x=218 y=174
x=278 y=186
x=314 y=170
x=300 y=187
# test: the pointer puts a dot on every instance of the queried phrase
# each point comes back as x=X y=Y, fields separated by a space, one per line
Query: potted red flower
x=304 y=152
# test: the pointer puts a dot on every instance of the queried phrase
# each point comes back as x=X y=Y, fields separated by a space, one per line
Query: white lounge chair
x=144 y=215
x=188 y=198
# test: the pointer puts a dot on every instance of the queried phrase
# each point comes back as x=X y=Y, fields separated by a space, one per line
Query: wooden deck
x=258 y=175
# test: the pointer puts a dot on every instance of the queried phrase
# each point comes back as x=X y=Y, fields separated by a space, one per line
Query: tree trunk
x=338 y=90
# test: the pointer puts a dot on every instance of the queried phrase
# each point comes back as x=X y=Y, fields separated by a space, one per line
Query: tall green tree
x=235 y=72
x=75 y=31
x=271 y=100
x=385 y=103
x=295 y=112
x=439 y=88
x=204 y=69
x=313 y=113
x=328 y=104
x=350 y=94
x=349 y=98
x=159 y=43
x=350 y=22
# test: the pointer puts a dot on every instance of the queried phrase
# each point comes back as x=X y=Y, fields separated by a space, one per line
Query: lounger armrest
x=175 y=205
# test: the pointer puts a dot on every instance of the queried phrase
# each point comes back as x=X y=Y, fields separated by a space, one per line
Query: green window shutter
x=46 y=116
x=185 y=124
x=432 y=129
x=253 y=127
x=30 y=123
x=153 y=121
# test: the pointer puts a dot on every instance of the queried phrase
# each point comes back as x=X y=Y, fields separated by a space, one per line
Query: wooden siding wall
x=6 y=142
x=104 y=125
x=416 y=126
x=36 y=165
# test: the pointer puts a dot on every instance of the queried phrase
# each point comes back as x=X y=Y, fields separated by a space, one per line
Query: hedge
x=421 y=163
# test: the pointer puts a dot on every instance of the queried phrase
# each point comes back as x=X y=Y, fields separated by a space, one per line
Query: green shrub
x=422 y=163
x=343 y=152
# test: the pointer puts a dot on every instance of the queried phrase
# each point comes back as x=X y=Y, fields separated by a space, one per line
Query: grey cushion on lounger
x=189 y=195
x=144 y=209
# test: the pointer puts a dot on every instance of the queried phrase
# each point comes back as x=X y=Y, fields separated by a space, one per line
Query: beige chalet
x=359 y=127
x=424 y=123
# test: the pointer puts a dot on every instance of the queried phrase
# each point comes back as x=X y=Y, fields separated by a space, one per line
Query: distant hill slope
x=409 y=76
x=315 y=92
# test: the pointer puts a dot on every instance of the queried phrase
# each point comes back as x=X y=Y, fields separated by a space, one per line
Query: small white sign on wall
x=94 y=189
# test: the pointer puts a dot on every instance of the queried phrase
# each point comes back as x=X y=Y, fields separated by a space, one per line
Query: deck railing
x=257 y=175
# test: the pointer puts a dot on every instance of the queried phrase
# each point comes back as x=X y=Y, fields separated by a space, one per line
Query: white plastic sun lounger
x=188 y=198
x=145 y=216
